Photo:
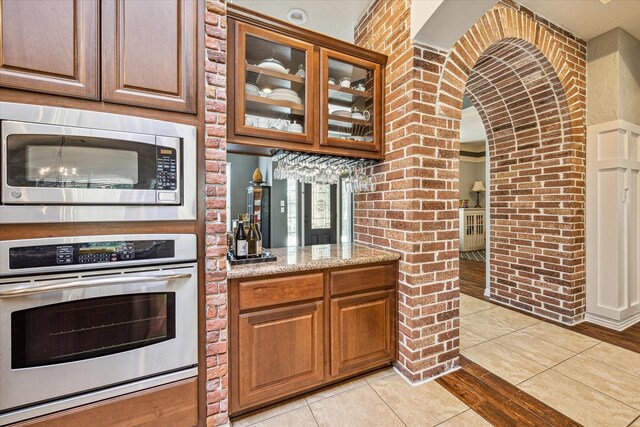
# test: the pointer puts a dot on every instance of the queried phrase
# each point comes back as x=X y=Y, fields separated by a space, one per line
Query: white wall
x=613 y=78
x=471 y=171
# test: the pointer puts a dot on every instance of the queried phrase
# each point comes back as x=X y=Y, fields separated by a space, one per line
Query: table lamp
x=478 y=187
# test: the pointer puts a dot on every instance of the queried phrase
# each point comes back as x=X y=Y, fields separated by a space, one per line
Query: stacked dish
x=273 y=65
x=281 y=94
x=343 y=113
x=251 y=89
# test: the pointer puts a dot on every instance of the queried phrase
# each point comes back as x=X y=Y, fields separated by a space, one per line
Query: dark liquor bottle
x=241 y=242
x=252 y=240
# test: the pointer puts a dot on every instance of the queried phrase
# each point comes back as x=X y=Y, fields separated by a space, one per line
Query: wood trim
x=255 y=18
x=84 y=83
x=172 y=405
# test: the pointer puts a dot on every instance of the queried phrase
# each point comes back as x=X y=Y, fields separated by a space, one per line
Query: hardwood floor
x=472 y=283
x=498 y=401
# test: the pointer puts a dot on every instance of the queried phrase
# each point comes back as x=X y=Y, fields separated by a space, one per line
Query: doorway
x=320 y=214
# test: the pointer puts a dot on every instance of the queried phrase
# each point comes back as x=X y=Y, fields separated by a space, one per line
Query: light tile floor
x=594 y=383
x=380 y=399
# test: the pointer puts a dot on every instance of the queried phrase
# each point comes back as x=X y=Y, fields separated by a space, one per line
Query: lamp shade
x=478 y=186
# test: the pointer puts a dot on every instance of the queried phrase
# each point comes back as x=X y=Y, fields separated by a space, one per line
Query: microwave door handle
x=90 y=283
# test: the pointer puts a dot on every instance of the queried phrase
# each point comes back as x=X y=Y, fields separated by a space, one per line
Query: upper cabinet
x=273 y=97
x=351 y=102
x=50 y=46
x=149 y=53
x=294 y=89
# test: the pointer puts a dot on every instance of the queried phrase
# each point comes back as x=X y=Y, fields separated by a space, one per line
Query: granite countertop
x=301 y=258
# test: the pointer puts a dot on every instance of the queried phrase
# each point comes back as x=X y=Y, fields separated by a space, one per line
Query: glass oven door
x=46 y=164
x=72 y=335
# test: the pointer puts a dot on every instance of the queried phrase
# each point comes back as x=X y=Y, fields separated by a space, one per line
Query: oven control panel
x=90 y=253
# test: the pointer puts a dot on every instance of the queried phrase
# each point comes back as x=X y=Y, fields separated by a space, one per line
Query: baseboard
x=612 y=324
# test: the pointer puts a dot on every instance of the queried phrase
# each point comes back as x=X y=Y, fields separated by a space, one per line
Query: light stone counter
x=302 y=258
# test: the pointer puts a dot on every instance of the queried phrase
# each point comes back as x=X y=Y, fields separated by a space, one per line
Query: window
x=320 y=206
x=346 y=217
x=292 y=212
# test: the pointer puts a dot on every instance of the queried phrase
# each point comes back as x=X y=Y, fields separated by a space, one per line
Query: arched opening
x=519 y=85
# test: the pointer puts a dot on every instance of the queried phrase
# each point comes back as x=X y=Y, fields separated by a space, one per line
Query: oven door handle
x=24 y=290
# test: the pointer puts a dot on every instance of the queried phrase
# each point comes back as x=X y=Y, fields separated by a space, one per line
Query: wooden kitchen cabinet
x=291 y=333
x=280 y=352
x=350 y=102
x=273 y=97
x=149 y=53
x=50 y=46
x=361 y=331
x=309 y=113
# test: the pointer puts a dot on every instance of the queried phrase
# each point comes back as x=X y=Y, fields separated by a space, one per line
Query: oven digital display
x=89 y=253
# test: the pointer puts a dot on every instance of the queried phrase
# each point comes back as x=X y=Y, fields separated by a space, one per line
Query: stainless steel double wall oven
x=86 y=318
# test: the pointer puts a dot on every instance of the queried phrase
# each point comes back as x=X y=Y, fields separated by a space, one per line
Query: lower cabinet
x=280 y=351
x=291 y=333
x=361 y=331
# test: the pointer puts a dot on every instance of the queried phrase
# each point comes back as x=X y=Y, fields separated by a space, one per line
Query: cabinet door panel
x=361 y=331
x=50 y=46
x=350 y=102
x=149 y=53
x=280 y=352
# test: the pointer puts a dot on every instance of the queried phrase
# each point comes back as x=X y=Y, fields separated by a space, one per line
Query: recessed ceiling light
x=297 y=16
x=605 y=1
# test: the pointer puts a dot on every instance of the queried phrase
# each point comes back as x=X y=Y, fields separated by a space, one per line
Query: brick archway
x=522 y=81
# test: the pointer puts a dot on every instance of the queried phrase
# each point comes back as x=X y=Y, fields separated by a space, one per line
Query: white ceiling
x=589 y=18
x=335 y=18
x=471 y=127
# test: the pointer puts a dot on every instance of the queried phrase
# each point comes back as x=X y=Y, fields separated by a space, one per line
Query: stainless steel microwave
x=64 y=165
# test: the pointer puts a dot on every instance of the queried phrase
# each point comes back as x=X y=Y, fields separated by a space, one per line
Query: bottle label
x=241 y=248
x=259 y=248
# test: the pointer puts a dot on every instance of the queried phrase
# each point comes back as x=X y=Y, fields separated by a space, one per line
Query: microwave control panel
x=166 y=169
x=89 y=253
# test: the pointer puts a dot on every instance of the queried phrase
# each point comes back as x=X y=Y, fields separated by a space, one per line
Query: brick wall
x=535 y=120
x=215 y=179
x=412 y=210
x=526 y=77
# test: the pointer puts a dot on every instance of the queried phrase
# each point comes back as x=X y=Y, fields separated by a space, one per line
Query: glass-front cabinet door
x=351 y=102
x=273 y=93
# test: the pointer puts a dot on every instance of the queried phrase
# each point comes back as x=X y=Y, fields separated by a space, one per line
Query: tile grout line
x=385 y=402
x=597 y=391
x=312 y=413
x=636 y=419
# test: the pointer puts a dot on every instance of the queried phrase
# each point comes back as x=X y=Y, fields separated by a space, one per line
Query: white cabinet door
x=472 y=229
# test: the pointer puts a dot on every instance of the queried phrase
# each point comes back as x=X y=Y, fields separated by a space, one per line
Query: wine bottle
x=241 y=242
x=259 y=234
x=252 y=240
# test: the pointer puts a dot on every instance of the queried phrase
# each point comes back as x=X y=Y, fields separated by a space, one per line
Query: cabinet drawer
x=362 y=279
x=282 y=290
